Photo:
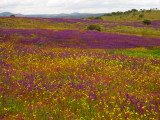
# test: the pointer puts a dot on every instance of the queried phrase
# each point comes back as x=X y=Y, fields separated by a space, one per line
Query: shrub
x=141 y=15
x=12 y=16
x=91 y=18
x=94 y=27
x=146 y=22
x=134 y=14
x=98 y=18
x=108 y=14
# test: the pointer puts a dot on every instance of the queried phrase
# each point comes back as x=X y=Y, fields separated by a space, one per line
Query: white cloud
x=69 y=6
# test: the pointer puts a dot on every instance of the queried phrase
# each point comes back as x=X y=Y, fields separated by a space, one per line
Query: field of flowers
x=127 y=28
x=55 y=70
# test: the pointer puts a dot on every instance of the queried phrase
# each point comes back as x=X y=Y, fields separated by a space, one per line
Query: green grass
x=147 y=53
x=153 y=15
x=137 y=31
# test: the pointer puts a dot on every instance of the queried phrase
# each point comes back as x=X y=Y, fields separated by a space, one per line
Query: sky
x=71 y=6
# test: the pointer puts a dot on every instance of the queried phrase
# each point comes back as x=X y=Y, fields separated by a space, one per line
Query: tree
x=148 y=10
x=94 y=27
x=98 y=18
x=108 y=14
x=113 y=13
x=134 y=10
x=91 y=18
x=12 y=15
x=146 y=22
x=143 y=10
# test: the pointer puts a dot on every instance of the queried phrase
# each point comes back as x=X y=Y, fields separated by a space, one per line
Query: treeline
x=129 y=11
x=95 y=18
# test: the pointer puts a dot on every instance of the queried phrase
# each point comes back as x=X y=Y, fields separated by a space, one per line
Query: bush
x=98 y=18
x=146 y=22
x=108 y=14
x=94 y=27
x=141 y=15
x=12 y=16
x=91 y=18
x=134 y=14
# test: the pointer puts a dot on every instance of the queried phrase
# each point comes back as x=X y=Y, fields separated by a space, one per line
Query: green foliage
x=12 y=16
x=134 y=10
x=117 y=13
x=141 y=15
x=98 y=18
x=95 y=18
x=132 y=15
x=131 y=11
x=41 y=45
x=148 y=52
x=148 y=10
x=91 y=18
x=146 y=22
x=94 y=27
x=107 y=14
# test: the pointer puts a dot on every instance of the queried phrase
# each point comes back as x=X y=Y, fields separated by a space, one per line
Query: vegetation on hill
x=95 y=18
x=146 y=22
x=12 y=15
x=133 y=15
x=94 y=27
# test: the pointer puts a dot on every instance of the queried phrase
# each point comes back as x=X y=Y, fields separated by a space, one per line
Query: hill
x=62 y=15
x=130 y=16
x=5 y=14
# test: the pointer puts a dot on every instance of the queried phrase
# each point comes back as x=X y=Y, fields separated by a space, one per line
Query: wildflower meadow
x=55 y=69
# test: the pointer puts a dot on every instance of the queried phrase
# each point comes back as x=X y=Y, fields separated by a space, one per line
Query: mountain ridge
x=61 y=15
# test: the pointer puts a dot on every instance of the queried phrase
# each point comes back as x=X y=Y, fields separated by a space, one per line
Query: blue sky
x=70 y=6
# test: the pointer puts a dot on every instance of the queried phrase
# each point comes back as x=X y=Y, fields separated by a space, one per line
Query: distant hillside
x=9 y=13
x=63 y=15
x=73 y=15
x=132 y=15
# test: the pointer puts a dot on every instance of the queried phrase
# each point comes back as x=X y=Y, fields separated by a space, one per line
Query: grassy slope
x=134 y=17
x=153 y=15
x=149 y=32
x=32 y=23
x=137 y=31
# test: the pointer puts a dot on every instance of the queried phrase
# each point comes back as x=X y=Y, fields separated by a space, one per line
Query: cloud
x=69 y=6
